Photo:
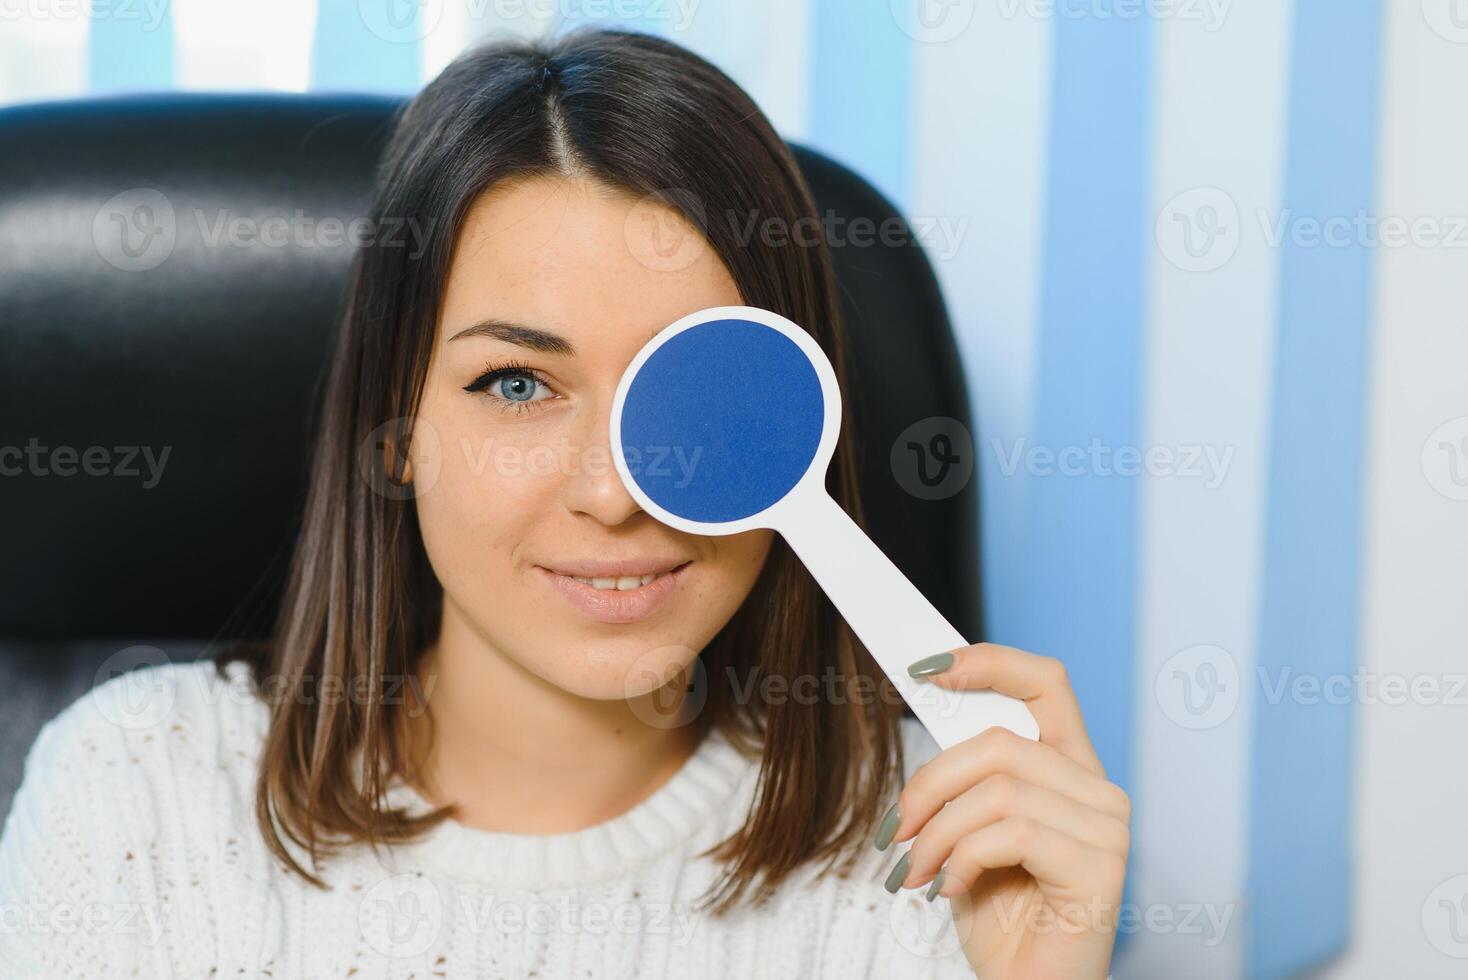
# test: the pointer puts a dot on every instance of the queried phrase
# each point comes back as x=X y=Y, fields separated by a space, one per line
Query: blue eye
x=514 y=386
x=518 y=387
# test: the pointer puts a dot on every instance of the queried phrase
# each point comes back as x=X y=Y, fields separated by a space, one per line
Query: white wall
x=1412 y=783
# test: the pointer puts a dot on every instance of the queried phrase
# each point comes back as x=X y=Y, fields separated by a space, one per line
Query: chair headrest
x=160 y=363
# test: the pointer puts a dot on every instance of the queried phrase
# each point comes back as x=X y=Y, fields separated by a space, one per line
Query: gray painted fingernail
x=897 y=874
x=887 y=828
x=933 y=888
x=928 y=666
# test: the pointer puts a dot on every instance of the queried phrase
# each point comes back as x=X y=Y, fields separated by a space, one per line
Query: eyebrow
x=518 y=333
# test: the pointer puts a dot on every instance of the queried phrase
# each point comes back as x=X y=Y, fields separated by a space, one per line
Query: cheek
x=748 y=552
x=486 y=500
x=730 y=573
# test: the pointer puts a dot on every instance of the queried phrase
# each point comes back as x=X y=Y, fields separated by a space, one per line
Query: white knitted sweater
x=131 y=850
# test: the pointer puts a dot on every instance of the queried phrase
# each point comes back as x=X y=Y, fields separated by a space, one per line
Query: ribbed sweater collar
x=711 y=789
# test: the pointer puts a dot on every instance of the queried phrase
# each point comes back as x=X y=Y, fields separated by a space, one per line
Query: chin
x=621 y=668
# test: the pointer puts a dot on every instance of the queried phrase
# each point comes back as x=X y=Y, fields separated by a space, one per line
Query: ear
x=390 y=461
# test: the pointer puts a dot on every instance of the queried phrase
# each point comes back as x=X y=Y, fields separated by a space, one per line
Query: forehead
x=581 y=258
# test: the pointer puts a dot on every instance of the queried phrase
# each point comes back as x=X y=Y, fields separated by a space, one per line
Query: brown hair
x=362 y=603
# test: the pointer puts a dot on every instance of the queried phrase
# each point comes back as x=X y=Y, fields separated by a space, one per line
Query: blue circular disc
x=722 y=420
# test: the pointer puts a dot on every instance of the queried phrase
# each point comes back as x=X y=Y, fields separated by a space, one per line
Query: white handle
x=892 y=618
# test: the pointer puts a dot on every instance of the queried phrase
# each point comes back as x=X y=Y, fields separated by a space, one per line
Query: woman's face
x=562 y=281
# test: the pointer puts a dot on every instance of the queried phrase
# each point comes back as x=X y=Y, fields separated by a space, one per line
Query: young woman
x=509 y=725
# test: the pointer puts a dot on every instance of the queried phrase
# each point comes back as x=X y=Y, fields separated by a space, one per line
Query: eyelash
x=494 y=373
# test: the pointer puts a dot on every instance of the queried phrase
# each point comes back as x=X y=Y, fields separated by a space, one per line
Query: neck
x=520 y=755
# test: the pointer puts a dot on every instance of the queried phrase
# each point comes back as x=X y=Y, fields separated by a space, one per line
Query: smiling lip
x=616 y=605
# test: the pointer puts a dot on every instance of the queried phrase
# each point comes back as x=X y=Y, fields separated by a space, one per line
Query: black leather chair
x=214 y=353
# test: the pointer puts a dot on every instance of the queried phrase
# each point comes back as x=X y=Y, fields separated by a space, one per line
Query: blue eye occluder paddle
x=747 y=404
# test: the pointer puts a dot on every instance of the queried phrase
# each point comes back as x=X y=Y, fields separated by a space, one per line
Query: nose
x=594 y=488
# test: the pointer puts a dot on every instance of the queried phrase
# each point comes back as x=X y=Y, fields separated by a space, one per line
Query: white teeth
x=621 y=583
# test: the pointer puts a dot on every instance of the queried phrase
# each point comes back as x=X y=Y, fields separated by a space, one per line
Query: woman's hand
x=1028 y=840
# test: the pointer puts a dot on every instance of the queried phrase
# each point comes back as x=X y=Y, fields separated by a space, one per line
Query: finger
x=998 y=750
x=1059 y=862
x=1001 y=796
x=1041 y=682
